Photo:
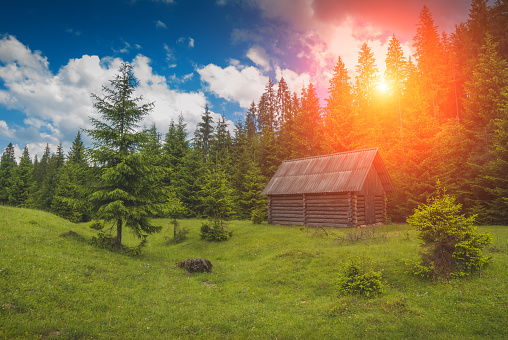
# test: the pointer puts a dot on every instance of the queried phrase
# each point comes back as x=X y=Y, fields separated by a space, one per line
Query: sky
x=186 y=54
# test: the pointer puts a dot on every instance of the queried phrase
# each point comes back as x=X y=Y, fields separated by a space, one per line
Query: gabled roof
x=338 y=172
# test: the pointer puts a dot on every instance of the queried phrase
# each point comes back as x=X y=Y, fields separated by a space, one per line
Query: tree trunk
x=119 y=234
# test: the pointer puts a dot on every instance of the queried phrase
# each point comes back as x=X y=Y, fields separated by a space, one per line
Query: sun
x=382 y=86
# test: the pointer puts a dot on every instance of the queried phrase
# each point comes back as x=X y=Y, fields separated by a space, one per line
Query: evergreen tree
x=368 y=126
x=129 y=191
x=499 y=17
x=497 y=171
x=250 y=199
x=309 y=124
x=70 y=196
x=174 y=149
x=340 y=116
x=189 y=182
x=429 y=56
x=77 y=153
x=395 y=75
x=50 y=182
x=367 y=77
x=250 y=121
x=203 y=135
x=7 y=168
x=267 y=108
x=283 y=104
x=42 y=167
x=487 y=99
x=216 y=194
x=22 y=183
x=221 y=143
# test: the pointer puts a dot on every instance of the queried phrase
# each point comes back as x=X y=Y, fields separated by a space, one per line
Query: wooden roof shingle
x=338 y=172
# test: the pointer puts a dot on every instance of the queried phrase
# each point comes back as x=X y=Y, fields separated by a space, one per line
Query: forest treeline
x=443 y=116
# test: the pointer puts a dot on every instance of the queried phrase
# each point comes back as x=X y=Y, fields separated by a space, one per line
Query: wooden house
x=346 y=189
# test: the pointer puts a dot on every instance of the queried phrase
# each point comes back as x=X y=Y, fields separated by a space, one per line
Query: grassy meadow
x=268 y=282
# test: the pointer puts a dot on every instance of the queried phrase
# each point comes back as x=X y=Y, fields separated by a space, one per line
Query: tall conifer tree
x=22 y=183
x=7 y=167
x=129 y=190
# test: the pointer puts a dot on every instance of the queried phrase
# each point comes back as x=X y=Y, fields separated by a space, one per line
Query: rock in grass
x=196 y=265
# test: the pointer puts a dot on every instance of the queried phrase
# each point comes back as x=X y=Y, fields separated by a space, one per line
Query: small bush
x=104 y=241
x=215 y=232
x=107 y=242
x=418 y=268
x=179 y=234
x=357 y=281
x=452 y=247
x=258 y=215
x=97 y=224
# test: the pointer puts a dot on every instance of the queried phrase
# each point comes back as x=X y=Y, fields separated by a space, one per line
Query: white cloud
x=170 y=56
x=294 y=80
x=186 y=41
x=239 y=84
x=258 y=56
x=160 y=24
x=56 y=106
x=5 y=131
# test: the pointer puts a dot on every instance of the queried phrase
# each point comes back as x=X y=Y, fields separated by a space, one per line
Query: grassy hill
x=267 y=282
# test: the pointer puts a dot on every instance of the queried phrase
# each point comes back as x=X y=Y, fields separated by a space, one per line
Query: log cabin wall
x=330 y=210
x=286 y=209
x=327 y=209
x=372 y=200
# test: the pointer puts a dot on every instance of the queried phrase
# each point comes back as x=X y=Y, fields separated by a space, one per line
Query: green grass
x=267 y=282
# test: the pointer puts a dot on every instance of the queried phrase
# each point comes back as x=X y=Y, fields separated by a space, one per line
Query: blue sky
x=186 y=53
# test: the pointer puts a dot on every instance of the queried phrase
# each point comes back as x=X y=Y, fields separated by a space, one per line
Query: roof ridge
x=331 y=154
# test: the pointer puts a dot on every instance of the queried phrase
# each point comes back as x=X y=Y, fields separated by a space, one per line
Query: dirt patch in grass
x=52 y=335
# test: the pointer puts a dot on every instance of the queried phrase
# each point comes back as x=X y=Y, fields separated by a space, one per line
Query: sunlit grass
x=267 y=282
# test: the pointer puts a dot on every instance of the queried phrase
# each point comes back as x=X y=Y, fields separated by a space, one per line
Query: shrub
x=451 y=244
x=215 y=232
x=258 y=215
x=358 y=281
x=97 y=224
x=179 y=234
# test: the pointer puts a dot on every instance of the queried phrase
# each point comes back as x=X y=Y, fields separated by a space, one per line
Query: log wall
x=286 y=209
x=327 y=210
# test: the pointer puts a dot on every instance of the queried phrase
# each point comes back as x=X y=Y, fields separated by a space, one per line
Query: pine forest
x=440 y=116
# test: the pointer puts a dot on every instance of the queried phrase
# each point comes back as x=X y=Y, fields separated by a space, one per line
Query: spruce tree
x=22 y=183
x=128 y=191
x=188 y=185
x=488 y=96
x=7 y=167
x=217 y=195
x=309 y=123
x=50 y=182
x=367 y=78
x=174 y=149
x=250 y=198
x=203 y=135
x=339 y=112
x=497 y=170
x=70 y=196
x=395 y=76
x=429 y=56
